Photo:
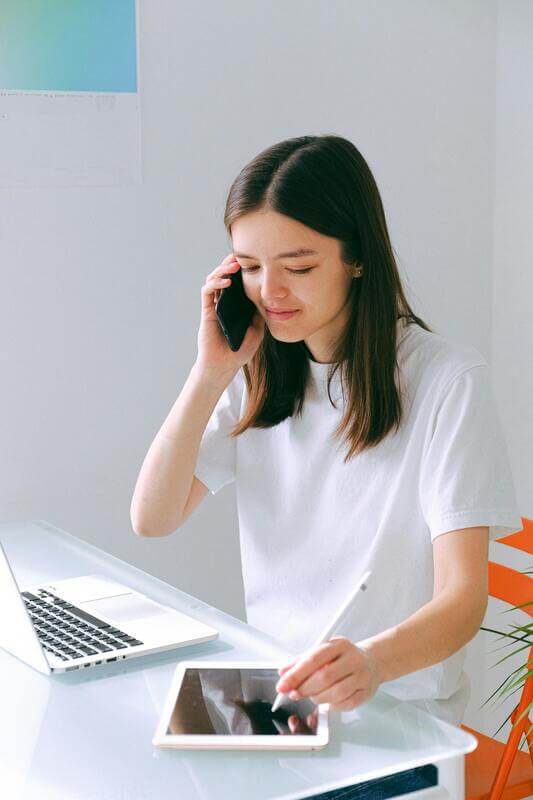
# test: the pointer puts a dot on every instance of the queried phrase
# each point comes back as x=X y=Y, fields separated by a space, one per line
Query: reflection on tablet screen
x=237 y=701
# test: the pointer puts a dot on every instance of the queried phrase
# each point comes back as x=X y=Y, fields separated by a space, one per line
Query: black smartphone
x=235 y=311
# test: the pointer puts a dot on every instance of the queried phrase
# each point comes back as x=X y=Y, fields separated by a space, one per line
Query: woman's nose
x=271 y=288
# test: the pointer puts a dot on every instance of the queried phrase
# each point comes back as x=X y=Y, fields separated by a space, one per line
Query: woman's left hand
x=336 y=672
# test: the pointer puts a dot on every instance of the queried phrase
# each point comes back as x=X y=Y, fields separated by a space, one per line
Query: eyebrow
x=302 y=251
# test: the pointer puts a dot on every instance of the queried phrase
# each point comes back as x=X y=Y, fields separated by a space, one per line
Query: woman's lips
x=281 y=315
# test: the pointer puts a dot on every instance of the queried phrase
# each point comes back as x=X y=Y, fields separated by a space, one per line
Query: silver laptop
x=85 y=621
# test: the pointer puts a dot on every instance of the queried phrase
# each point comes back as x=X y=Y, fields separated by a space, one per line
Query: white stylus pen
x=332 y=625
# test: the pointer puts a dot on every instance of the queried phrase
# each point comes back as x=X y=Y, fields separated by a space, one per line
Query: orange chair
x=496 y=771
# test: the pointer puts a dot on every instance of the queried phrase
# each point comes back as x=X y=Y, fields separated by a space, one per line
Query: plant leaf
x=526 y=711
x=501 y=684
x=518 y=650
x=520 y=680
x=508 y=717
x=502 y=634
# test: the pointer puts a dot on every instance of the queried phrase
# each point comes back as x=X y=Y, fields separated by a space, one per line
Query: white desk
x=86 y=735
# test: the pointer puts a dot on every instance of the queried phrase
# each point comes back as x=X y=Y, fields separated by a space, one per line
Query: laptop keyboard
x=69 y=632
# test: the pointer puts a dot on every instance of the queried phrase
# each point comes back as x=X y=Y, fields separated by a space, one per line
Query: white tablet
x=228 y=706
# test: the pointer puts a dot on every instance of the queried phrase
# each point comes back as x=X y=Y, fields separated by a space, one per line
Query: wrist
x=373 y=661
x=213 y=378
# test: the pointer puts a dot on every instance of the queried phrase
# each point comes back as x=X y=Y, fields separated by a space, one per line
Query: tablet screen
x=235 y=702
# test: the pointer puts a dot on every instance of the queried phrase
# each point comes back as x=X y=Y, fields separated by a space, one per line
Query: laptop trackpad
x=124 y=608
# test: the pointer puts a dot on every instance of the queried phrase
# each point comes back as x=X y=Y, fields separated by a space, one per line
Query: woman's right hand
x=214 y=353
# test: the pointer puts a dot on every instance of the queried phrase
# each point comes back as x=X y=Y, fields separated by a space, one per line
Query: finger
x=224 y=268
x=308 y=664
x=356 y=699
x=209 y=289
x=230 y=258
x=216 y=281
x=326 y=677
x=297 y=725
x=284 y=669
x=220 y=284
x=228 y=269
x=337 y=693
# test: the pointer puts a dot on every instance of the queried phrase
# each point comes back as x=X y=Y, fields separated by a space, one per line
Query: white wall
x=101 y=298
x=512 y=325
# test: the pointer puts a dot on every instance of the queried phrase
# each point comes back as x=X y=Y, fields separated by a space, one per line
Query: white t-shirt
x=310 y=525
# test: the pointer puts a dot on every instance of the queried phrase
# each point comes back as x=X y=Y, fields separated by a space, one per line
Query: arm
x=162 y=489
x=346 y=674
x=451 y=619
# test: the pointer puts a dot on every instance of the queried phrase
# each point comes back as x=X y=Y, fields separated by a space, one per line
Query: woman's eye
x=294 y=271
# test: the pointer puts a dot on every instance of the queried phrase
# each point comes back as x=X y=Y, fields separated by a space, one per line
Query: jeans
x=383 y=788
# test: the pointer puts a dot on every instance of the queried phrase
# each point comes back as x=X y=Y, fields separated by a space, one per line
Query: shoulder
x=429 y=359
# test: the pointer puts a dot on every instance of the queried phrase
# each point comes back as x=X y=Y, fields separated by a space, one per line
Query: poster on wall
x=69 y=93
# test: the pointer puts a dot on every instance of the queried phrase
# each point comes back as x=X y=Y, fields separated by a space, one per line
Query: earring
x=358 y=271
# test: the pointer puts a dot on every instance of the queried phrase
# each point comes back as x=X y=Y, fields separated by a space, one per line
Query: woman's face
x=315 y=285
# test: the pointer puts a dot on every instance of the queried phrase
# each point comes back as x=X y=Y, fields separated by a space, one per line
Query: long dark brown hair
x=325 y=183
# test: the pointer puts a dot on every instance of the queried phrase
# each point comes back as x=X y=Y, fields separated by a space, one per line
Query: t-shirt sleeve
x=465 y=475
x=216 y=461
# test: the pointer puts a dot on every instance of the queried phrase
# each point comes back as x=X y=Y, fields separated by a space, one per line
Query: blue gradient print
x=68 y=45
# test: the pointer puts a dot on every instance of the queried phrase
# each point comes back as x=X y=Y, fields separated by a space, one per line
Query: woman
x=359 y=440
